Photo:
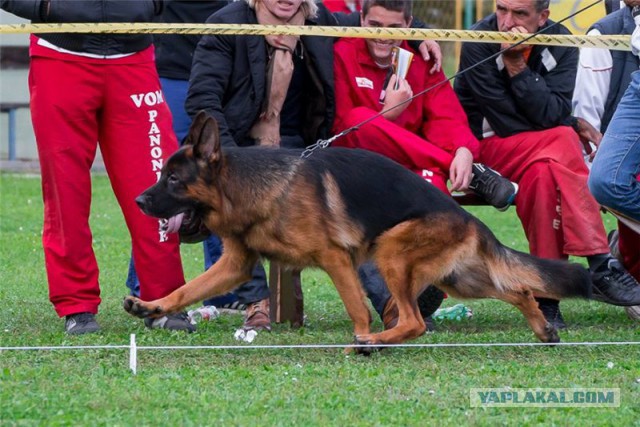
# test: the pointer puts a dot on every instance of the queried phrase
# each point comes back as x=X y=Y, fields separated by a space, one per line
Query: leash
x=324 y=143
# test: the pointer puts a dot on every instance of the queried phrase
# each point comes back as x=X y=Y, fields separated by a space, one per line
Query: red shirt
x=436 y=116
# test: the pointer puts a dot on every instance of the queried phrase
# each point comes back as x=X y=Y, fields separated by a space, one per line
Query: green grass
x=403 y=386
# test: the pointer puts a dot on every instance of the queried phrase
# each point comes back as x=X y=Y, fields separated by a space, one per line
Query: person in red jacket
x=88 y=90
x=429 y=134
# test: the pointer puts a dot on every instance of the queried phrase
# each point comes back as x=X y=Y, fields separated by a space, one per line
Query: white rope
x=135 y=348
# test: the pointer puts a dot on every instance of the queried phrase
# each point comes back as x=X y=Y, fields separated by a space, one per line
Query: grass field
x=402 y=386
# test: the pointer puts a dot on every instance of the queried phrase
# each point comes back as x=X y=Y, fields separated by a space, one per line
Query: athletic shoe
x=614 y=285
x=172 y=322
x=551 y=310
x=81 y=323
x=633 y=312
x=232 y=308
x=257 y=316
x=493 y=187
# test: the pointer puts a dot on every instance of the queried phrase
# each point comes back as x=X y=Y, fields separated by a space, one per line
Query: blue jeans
x=613 y=177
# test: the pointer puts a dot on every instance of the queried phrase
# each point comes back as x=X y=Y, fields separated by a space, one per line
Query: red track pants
x=74 y=105
x=559 y=215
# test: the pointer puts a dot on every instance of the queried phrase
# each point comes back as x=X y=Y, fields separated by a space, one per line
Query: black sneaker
x=614 y=285
x=493 y=187
x=81 y=323
x=172 y=322
x=232 y=308
x=551 y=310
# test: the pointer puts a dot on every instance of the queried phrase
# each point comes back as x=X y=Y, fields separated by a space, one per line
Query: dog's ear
x=196 y=128
x=206 y=144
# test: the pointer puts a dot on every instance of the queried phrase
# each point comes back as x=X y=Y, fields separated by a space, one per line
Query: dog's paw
x=551 y=334
x=139 y=308
x=369 y=344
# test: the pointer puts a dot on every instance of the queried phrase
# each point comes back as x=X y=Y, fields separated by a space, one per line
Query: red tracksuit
x=423 y=138
x=558 y=213
x=76 y=103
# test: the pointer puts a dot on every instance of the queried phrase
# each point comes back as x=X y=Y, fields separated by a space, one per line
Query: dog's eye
x=172 y=179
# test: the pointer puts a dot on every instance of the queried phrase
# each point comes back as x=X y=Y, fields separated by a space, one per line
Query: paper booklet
x=400 y=61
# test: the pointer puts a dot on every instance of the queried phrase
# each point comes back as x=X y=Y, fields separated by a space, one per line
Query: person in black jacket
x=85 y=90
x=519 y=106
x=275 y=91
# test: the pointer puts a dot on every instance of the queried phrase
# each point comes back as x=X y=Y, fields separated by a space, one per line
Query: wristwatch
x=635 y=12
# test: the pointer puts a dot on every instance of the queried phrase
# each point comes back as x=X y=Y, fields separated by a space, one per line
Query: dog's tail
x=510 y=269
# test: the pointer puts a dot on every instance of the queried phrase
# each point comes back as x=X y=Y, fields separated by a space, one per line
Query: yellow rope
x=613 y=42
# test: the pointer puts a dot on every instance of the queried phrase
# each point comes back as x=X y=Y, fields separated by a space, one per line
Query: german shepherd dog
x=335 y=209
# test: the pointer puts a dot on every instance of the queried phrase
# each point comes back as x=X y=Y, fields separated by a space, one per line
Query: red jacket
x=436 y=116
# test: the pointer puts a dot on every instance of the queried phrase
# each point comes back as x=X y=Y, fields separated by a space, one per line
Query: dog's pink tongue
x=173 y=223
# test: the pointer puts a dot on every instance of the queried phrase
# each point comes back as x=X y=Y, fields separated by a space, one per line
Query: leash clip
x=320 y=144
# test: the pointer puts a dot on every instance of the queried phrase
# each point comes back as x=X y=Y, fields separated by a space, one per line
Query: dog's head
x=188 y=180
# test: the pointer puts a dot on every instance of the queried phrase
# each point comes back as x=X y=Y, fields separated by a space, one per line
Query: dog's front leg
x=231 y=270
x=339 y=267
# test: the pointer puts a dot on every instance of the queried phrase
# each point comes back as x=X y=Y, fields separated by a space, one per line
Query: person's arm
x=210 y=74
x=592 y=83
x=526 y=101
x=635 y=37
x=546 y=100
x=28 y=9
x=343 y=85
x=445 y=123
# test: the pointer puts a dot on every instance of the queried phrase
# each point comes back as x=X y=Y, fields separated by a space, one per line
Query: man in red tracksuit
x=90 y=89
x=519 y=104
x=428 y=135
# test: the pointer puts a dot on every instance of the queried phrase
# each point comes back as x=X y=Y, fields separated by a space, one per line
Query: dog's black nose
x=142 y=201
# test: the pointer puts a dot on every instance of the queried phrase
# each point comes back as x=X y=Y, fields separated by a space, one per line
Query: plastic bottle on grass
x=204 y=313
x=457 y=313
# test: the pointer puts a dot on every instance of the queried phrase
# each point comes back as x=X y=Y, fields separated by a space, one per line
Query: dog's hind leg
x=405 y=292
x=528 y=306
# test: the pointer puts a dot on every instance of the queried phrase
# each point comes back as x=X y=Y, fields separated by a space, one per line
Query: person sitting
x=602 y=79
x=519 y=106
x=269 y=90
x=428 y=135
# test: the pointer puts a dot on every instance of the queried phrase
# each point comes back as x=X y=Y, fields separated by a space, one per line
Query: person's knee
x=602 y=188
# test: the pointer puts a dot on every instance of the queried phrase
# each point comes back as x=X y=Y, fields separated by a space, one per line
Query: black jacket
x=174 y=52
x=228 y=76
x=64 y=11
x=536 y=99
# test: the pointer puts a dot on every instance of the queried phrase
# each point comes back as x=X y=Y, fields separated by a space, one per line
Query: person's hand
x=430 y=49
x=461 y=169
x=513 y=58
x=394 y=97
x=588 y=135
